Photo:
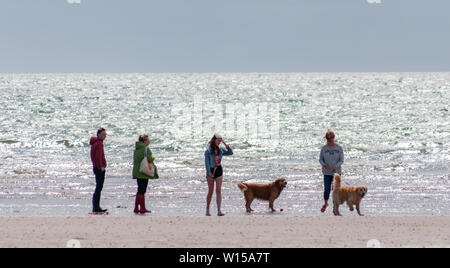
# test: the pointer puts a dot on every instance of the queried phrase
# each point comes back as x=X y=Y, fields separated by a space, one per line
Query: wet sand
x=224 y=232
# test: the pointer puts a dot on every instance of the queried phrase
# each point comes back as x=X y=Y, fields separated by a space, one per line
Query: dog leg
x=247 y=206
x=336 y=209
x=350 y=206
x=248 y=203
x=357 y=209
x=271 y=205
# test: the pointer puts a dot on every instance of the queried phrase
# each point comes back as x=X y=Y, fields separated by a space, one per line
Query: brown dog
x=268 y=192
x=350 y=194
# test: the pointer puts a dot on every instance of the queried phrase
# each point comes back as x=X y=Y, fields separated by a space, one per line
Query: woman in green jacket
x=142 y=179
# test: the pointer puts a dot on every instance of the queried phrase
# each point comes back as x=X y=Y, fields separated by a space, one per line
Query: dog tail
x=337 y=181
x=242 y=186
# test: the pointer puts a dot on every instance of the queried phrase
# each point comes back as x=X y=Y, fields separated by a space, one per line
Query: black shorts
x=218 y=172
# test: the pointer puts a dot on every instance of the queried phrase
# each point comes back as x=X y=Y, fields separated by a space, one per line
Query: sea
x=394 y=129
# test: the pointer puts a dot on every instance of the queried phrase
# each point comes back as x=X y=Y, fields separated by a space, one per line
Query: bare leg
x=219 y=195
x=209 y=196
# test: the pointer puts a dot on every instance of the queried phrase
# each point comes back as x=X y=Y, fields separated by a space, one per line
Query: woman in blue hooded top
x=331 y=159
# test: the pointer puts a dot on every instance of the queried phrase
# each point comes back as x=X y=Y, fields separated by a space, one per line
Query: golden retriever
x=350 y=194
x=268 y=192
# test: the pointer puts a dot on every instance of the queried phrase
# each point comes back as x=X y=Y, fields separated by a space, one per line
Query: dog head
x=281 y=183
x=362 y=191
x=337 y=178
x=337 y=181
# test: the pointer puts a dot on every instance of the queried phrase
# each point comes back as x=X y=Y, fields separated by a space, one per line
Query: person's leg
x=327 y=184
x=142 y=186
x=95 y=196
x=142 y=189
x=327 y=180
x=209 y=196
x=137 y=201
x=219 y=196
x=99 y=180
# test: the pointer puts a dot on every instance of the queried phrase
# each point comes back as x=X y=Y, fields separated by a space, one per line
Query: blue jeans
x=327 y=181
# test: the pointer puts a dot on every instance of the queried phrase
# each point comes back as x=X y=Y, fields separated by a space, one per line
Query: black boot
x=96 y=204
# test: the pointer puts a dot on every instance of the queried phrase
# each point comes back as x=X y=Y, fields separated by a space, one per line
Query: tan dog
x=350 y=194
x=268 y=192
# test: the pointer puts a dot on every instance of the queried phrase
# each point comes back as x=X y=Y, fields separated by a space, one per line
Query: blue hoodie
x=334 y=157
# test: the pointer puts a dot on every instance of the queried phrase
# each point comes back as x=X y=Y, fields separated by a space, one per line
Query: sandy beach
x=224 y=232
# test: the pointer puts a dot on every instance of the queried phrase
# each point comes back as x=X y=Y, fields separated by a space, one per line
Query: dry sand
x=223 y=232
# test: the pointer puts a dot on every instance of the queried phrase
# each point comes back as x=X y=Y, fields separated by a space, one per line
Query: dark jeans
x=142 y=186
x=99 y=180
x=327 y=181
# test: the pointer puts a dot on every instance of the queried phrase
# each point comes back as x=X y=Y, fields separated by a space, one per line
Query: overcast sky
x=224 y=35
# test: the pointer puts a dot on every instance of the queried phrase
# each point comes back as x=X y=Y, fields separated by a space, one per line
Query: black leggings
x=99 y=180
x=142 y=185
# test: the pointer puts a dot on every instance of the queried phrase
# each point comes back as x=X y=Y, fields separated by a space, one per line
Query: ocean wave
x=9 y=141
x=386 y=149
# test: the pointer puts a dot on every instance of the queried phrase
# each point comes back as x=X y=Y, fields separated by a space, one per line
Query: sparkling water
x=394 y=128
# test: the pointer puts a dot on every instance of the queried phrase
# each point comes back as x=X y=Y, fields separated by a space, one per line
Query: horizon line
x=221 y=72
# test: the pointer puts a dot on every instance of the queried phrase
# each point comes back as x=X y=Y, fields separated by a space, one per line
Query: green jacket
x=139 y=154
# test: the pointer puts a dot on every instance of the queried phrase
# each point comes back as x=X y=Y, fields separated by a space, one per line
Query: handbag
x=147 y=167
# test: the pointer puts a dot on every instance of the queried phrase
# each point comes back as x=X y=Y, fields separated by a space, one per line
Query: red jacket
x=97 y=153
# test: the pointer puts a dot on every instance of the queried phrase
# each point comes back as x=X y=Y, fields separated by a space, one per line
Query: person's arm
x=97 y=156
x=321 y=158
x=93 y=155
x=341 y=158
x=104 y=165
x=207 y=163
x=228 y=151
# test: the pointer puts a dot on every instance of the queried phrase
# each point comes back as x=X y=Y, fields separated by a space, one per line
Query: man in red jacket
x=99 y=162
